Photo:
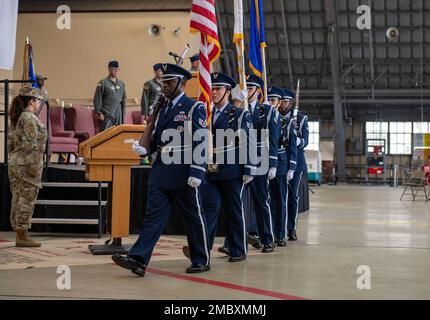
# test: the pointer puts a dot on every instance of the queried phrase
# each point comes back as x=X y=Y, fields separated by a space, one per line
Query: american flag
x=203 y=20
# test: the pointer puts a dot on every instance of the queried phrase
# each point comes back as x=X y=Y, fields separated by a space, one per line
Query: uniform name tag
x=180 y=117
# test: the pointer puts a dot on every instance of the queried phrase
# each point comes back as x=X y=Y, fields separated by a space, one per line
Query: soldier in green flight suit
x=151 y=89
x=109 y=98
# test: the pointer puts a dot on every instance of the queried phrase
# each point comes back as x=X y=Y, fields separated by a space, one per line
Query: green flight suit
x=110 y=97
x=150 y=90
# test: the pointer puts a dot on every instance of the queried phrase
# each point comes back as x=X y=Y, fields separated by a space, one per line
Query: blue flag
x=257 y=36
x=31 y=71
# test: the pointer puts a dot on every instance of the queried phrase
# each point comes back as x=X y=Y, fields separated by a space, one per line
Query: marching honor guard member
x=264 y=122
x=227 y=177
x=174 y=182
x=287 y=161
x=302 y=129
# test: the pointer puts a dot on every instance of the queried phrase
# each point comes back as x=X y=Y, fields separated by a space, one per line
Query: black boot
x=292 y=236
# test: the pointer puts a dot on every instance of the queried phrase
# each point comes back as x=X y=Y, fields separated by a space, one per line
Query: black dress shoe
x=267 y=248
x=186 y=251
x=224 y=250
x=130 y=263
x=237 y=259
x=254 y=240
x=257 y=245
x=198 y=268
x=281 y=243
x=292 y=236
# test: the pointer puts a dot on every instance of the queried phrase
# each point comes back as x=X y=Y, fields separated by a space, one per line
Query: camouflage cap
x=30 y=92
x=41 y=77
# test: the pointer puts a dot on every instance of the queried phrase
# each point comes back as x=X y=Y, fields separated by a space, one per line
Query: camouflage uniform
x=151 y=89
x=26 y=144
x=110 y=96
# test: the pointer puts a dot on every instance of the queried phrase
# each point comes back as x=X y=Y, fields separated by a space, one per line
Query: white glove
x=194 y=182
x=141 y=151
x=244 y=94
x=298 y=141
x=272 y=173
x=290 y=175
x=247 y=179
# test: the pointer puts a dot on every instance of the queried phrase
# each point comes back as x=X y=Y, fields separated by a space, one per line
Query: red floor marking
x=226 y=285
x=2 y=240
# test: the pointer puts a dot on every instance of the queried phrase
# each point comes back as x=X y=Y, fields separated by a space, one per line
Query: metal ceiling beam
x=378 y=61
x=333 y=45
x=372 y=68
x=383 y=12
x=356 y=45
x=403 y=102
x=50 y=6
x=421 y=58
x=222 y=38
x=347 y=71
x=346 y=29
x=287 y=42
x=322 y=14
x=412 y=76
x=276 y=13
x=378 y=92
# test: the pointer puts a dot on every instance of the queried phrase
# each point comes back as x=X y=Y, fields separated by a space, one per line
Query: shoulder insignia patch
x=30 y=129
x=202 y=123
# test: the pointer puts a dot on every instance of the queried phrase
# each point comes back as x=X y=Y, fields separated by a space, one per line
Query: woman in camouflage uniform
x=26 y=145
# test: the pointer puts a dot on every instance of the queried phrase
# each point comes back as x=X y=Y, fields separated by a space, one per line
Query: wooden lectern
x=109 y=157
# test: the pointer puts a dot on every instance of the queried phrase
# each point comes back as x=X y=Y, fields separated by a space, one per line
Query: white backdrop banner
x=8 y=20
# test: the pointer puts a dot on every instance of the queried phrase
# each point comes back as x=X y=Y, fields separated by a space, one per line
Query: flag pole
x=263 y=58
x=242 y=74
x=240 y=48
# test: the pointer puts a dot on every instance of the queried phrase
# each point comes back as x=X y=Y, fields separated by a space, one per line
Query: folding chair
x=416 y=182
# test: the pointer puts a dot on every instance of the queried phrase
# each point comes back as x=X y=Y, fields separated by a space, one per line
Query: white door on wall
x=327 y=150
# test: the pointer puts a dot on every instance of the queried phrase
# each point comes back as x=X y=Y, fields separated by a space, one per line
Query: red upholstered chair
x=128 y=118
x=80 y=119
x=137 y=117
x=96 y=122
x=58 y=144
x=57 y=122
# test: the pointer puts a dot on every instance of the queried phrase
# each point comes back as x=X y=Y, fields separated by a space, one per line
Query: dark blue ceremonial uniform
x=168 y=182
x=225 y=183
x=302 y=128
x=287 y=161
x=263 y=117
